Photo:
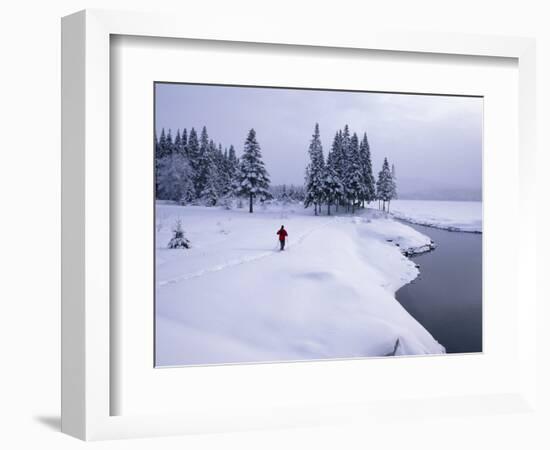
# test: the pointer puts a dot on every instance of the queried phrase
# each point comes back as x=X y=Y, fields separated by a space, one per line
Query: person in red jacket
x=282 y=236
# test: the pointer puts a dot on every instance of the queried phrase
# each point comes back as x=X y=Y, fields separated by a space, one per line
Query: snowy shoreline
x=434 y=225
x=232 y=297
x=444 y=215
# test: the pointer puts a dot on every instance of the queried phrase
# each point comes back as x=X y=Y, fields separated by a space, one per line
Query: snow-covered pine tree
x=184 y=142
x=336 y=157
x=193 y=154
x=162 y=145
x=369 y=183
x=343 y=156
x=332 y=186
x=314 y=185
x=203 y=164
x=210 y=192
x=233 y=162
x=169 y=147
x=178 y=239
x=177 y=142
x=252 y=178
x=208 y=186
x=224 y=178
x=354 y=174
x=384 y=184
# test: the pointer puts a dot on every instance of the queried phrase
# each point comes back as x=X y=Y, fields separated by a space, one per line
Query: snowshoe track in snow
x=238 y=261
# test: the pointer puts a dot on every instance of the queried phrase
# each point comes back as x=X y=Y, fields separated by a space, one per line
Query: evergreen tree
x=253 y=179
x=384 y=184
x=332 y=186
x=169 y=146
x=184 y=142
x=222 y=179
x=193 y=154
x=315 y=172
x=178 y=239
x=338 y=164
x=205 y=164
x=369 y=183
x=162 y=145
x=177 y=143
x=209 y=194
x=232 y=167
x=204 y=141
x=354 y=174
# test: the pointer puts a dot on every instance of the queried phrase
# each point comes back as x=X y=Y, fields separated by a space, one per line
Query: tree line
x=345 y=178
x=192 y=169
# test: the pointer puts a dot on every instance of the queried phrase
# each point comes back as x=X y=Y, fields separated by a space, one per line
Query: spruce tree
x=354 y=175
x=162 y=145
x=207 y=171
x=169 y=146
x=384 y=184
x=178 y=239
x=339 y=166
x=209 y=194
x=369 y=183
x=332 y=186
x=203 y=163
x=184 y=142
x=177 y=143
x=252 y=178
x=314 y=185
x=193 y=154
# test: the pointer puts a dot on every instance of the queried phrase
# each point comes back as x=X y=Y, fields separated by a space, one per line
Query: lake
x=446 y=298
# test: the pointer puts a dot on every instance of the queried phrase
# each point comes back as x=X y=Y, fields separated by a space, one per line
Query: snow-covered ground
x=233 y=297
x=455 y=216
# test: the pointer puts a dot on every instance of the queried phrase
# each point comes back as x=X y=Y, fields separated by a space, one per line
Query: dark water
x=446 y=297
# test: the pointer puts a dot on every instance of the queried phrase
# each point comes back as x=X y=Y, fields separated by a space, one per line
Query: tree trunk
x=328 y=208
x=250 y=210
x=389 y=205
x=315 y=207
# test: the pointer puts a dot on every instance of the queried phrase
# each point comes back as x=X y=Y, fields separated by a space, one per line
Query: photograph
x=298 y=224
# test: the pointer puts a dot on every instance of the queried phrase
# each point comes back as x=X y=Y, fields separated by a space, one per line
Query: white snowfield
x=448 y=215
x=234 y=297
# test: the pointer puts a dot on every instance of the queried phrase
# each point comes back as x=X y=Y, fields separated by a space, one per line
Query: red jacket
x=282 y=234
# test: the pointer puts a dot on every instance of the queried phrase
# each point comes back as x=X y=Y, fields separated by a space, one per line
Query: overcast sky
x=435 y=142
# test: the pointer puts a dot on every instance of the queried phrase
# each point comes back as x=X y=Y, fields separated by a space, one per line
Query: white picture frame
x=86 y=220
